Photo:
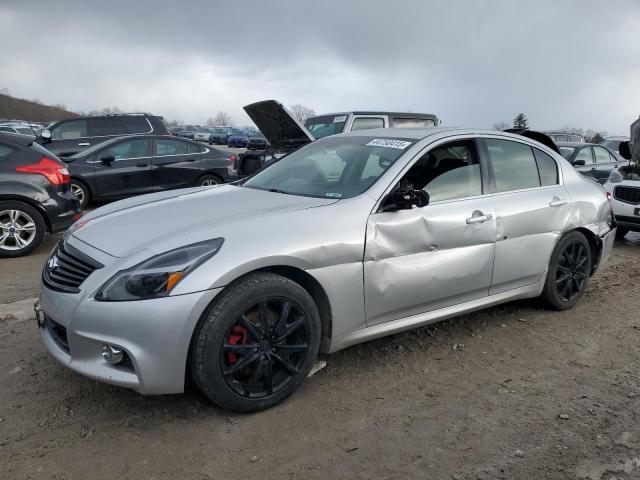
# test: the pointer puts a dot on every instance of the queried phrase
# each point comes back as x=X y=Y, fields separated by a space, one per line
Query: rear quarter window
x=137 y=125
x=101 y=127
x=547 y=168
x=5 y=151
x=193 y=148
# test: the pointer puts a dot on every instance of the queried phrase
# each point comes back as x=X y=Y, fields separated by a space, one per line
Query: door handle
x=142 y=165
x=84 y=144
x=479 y=219
x=557 y=203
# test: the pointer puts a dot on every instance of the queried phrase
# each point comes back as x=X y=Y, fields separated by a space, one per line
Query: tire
x=569 y=271
x=621 y=232
x=22 y=229
x=81 y=191
x=208 y=180
x=230 y=357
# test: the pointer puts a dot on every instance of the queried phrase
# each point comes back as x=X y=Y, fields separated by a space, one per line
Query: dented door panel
x=427 y=258
x=528 y=226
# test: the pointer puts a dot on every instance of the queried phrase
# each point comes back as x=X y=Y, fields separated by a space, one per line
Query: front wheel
x=569 y=270
x=257 y=343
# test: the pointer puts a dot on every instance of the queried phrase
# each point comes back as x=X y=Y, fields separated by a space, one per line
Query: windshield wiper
x=275 y=190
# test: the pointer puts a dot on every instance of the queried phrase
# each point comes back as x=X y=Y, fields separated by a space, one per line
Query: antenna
x=29 y=123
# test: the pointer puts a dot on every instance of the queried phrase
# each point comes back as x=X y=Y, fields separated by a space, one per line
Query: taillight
x=233 y=159
x=56 y=173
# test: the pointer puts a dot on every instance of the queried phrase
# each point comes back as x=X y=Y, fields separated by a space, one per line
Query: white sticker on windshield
x=333 y=194
x=388 y=143
x=339 y=119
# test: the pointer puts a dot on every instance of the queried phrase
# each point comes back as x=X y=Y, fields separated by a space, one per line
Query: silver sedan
x=349 y=238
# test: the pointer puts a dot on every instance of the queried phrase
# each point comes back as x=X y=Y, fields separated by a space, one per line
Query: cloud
x=472 y=63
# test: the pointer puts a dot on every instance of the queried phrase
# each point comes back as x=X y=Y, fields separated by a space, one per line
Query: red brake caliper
x=238 y=336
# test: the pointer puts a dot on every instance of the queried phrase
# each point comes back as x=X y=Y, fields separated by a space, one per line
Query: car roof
x=575 y=144
x=16 y=139
x=377 y=112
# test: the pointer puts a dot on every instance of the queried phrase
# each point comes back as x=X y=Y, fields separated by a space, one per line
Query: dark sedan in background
x=257 y=141
x=238 y=138
x=591 y=160
x=136 y=165
x=35 y=197
x=219 y=136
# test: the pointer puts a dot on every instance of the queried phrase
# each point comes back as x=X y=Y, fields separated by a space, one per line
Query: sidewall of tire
x=550 y=292
x=85 y=189
x=208 y=338
x=38 y=219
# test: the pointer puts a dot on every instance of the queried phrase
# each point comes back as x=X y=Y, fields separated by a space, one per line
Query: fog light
x=112 y=354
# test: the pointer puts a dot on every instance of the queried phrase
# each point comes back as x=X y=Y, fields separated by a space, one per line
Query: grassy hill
x=12 y=108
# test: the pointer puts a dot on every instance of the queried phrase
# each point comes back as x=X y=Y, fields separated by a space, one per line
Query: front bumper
x=627 y=214
x=154 y=334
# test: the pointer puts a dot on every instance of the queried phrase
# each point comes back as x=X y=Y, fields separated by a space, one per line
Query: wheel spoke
x=290 y=328
x=563 y=278
x=3 y=239
x=241 y=364
x=268 y=374
x=27 y=227
x=263 y=315
x=564 y=289
x=19 y=241
x=242 y=349
x=257 y=374
x=253 y=329
x=284 y=316
x=290 y=367
x=581 y=262
x=302 y=347
x=13 y=215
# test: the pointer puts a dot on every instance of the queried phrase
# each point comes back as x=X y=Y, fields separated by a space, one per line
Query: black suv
x=35 y=195
x=68 y=137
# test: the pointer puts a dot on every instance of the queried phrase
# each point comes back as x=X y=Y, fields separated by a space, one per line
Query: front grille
x=58 y=333
x=67 y=268
x=627 y=194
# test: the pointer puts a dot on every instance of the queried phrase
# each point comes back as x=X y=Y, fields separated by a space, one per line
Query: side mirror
x=405 y=199
x=578 y=163
x=625 y=151
x=45 y=135
x=107 y=160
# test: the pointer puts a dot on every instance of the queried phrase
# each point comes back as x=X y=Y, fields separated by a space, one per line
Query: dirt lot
x=513 y=392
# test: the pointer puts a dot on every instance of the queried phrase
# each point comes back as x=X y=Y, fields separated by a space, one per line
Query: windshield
x=324 y=126
x=24 y=130
x=341 y=167
x=612 y=144
x=566 y=152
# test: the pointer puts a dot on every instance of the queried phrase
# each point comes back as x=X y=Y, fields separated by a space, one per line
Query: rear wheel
x=81 y=191
x=569 y=271
x=22 y=229
x=208 y=180
x=257 y=344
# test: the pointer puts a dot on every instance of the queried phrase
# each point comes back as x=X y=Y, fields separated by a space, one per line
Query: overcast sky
x=473 y=63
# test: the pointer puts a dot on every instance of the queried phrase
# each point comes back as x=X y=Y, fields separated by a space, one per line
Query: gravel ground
x=512 y=392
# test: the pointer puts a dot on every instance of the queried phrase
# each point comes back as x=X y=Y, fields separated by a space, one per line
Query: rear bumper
x=62 y=211
x=607 y=245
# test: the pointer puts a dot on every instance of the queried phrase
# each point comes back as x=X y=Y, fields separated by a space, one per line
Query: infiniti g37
x=350 y=238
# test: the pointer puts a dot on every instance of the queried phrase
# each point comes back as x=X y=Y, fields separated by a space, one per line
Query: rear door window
x=102 y=127
x=170 y=147
x=70 y=130
x=136 y=125
x=193 y=148
x=367 y=123
x=514 y=166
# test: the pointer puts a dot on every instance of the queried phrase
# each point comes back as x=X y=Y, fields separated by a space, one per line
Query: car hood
x=278 y=125
x=125 y=227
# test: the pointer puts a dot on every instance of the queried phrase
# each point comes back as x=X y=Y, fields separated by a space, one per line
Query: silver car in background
x=350 y=238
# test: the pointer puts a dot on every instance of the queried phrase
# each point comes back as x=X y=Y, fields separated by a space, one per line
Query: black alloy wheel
x=265 y=347
x=569 y=271
x=256 y=343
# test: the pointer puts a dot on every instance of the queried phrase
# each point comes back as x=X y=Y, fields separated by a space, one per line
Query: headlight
x=615 y=176
x=157 y=276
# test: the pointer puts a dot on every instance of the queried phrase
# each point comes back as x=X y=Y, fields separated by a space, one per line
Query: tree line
x=522 y=122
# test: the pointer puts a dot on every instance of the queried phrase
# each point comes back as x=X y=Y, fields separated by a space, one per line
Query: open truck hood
x=634 y=141
x=282 y=130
